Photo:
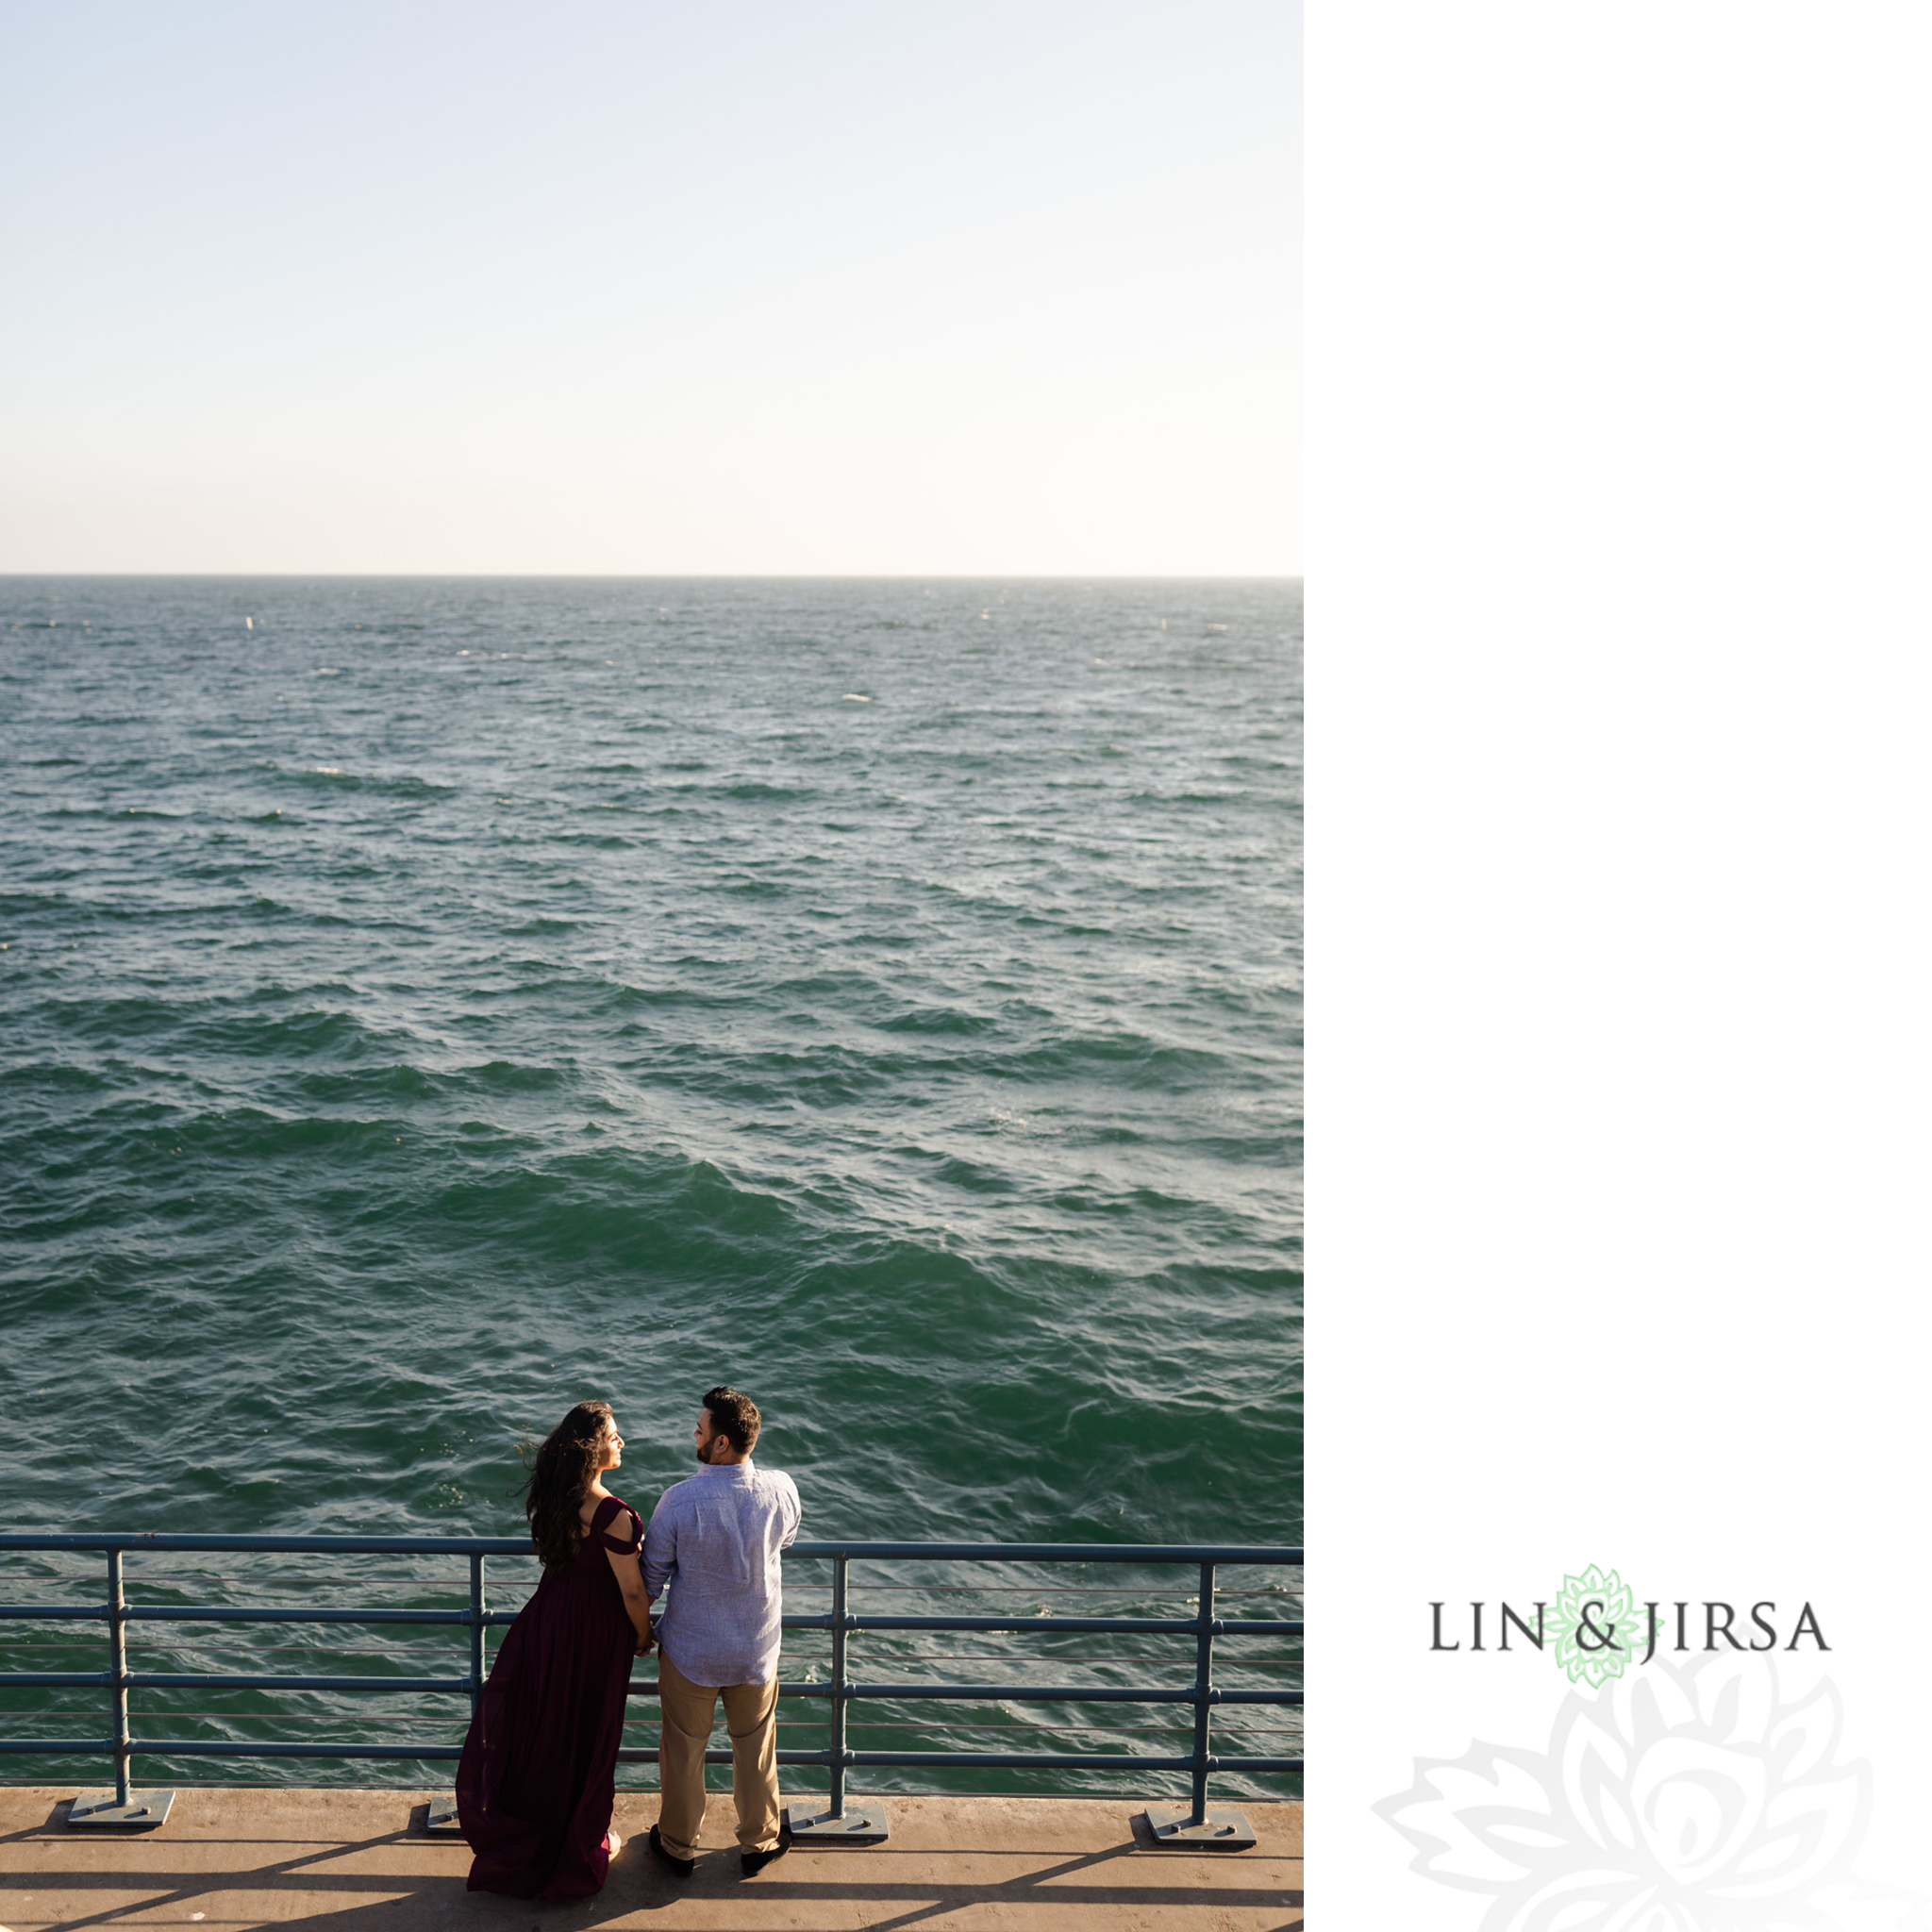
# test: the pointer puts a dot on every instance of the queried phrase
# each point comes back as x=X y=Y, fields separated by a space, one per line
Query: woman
x=538 y=1769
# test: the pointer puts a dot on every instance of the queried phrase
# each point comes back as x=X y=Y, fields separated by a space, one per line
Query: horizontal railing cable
x=858 y=1681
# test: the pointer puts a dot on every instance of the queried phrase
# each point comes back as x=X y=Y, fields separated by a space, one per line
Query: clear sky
x=853 y=285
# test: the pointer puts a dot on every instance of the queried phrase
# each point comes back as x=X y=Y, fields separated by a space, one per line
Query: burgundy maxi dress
x=538 y=1770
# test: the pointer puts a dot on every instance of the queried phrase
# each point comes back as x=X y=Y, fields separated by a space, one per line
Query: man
x=716 y=1537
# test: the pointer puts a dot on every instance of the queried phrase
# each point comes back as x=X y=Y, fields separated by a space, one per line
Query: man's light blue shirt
x=715 y=1539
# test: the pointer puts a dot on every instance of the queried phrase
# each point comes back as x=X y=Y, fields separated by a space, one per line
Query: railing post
x=835 y=1825
x=117 y=1652
x=441 y=1817
x=1224 y=1827
x=837 y=1804
x=117 y=1807
x=1203 y=1683
x=475 y=1630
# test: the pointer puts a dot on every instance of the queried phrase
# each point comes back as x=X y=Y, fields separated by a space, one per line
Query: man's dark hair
x=735 y=1416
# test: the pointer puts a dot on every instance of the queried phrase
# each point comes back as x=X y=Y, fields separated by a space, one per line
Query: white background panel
x=1619 y=862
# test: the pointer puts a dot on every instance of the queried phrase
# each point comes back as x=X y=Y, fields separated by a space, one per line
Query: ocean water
x=429 y=1002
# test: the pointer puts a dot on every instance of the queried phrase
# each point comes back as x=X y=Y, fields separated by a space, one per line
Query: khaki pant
x=751 y=1713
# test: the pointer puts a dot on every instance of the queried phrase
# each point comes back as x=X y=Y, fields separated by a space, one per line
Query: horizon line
x=704 y=576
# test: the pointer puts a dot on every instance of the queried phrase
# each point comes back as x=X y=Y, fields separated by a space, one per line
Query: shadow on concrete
x=160 y=1890
x=55 y=1820
x=402 y=1880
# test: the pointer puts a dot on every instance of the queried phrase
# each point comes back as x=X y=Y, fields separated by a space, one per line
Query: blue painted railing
x=118 y=1613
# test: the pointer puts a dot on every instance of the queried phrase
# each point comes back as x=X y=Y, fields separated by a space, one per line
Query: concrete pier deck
x=332 y=1861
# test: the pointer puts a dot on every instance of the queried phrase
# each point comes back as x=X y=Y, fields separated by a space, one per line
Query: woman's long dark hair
x=563 y=1468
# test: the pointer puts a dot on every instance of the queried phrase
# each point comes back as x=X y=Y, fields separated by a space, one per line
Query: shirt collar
x=726 y=1468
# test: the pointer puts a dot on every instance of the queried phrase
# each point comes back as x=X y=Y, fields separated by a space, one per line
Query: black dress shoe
x=757 y=1861
x=683 y=1867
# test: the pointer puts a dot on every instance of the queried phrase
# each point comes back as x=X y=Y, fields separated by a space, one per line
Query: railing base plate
x=1225 y=1829
x=440 y=1818
x=99 y=1811
x=857 y=1825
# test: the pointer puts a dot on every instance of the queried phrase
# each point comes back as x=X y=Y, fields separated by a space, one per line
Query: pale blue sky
x=844 y=287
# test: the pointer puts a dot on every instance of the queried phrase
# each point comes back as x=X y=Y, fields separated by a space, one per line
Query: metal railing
x=1203 y=1693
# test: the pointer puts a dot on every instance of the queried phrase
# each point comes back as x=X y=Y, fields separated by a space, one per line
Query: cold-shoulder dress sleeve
x=629 y=1536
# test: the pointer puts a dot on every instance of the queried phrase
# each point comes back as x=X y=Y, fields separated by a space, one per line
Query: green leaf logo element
x=1599 y=1630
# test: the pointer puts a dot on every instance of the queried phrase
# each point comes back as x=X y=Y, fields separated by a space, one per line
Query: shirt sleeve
x=795 y=1512
x=660 y=1546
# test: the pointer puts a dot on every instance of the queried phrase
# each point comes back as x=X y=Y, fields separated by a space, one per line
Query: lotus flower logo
x=1689 y=1799
x=1598 y=1629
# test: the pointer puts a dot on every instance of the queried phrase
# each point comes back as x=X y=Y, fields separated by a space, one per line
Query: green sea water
x=428 y=1003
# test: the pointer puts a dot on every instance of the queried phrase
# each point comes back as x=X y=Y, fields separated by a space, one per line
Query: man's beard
x=703 y=1453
